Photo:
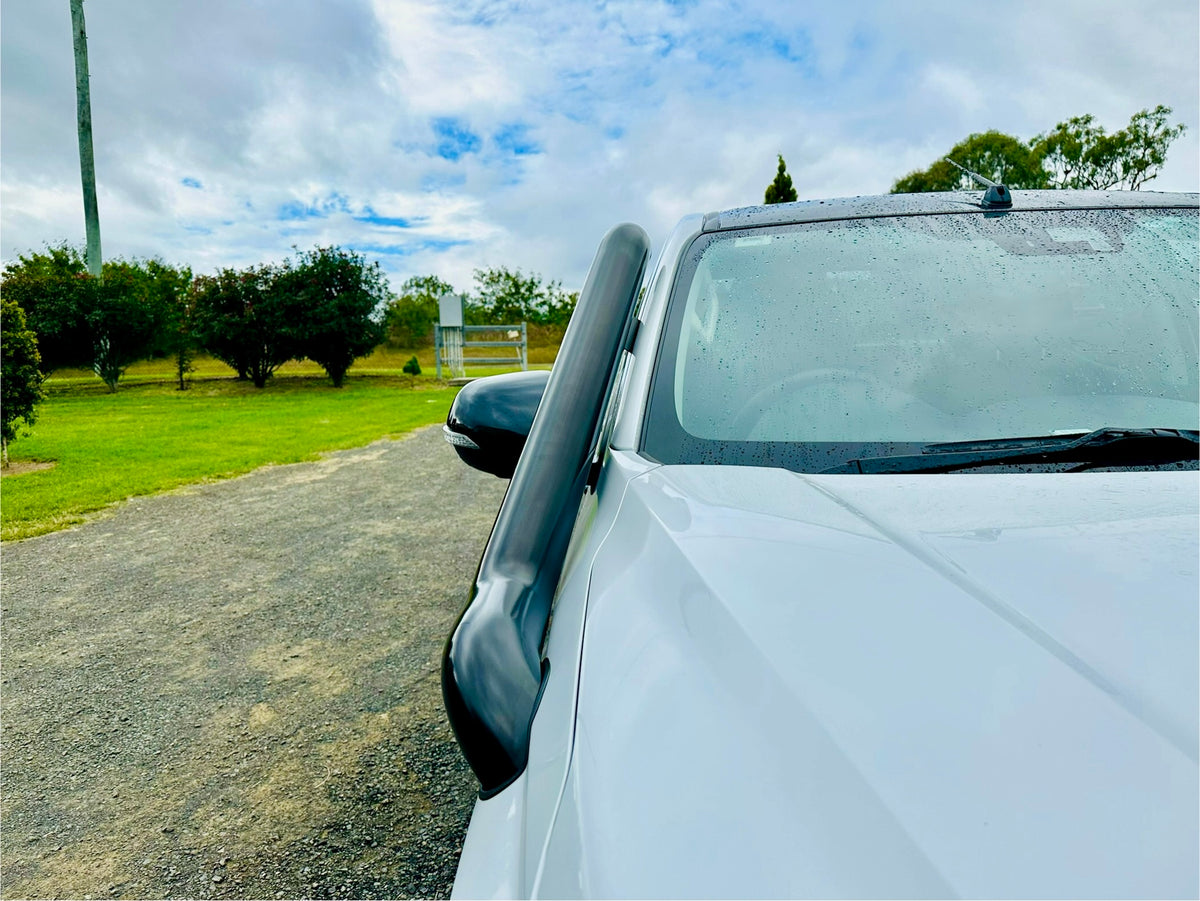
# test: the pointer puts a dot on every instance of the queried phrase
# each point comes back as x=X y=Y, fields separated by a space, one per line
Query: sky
x=439 y=137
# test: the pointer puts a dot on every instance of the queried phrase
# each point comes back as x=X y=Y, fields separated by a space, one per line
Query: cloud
x=446 y=136
x=953 y=85
x=441 y=62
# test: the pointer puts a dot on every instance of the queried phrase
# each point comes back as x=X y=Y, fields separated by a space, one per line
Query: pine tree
x=780 y=190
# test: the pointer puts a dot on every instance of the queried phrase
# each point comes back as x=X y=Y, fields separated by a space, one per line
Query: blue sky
x=439 y=137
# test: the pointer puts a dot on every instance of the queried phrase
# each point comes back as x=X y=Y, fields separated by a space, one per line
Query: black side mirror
x=491 y=418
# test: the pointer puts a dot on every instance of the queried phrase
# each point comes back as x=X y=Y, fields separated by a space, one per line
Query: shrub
x=20 y=375
x=413 y=368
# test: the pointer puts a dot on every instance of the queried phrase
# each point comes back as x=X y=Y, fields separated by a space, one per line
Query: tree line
x=328 y=305
x=1077 y=153
x=501 y=296
x=323 y=305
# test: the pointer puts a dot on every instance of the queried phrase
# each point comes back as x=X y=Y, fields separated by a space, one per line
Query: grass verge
x=384 y=361
x=150 y=438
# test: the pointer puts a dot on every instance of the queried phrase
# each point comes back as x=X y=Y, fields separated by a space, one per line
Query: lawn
x=148 y=438
x=384 y=361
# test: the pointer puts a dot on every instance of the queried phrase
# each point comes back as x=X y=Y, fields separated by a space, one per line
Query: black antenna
x=996 y=196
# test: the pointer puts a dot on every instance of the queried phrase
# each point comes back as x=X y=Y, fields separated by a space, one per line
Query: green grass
x=384 y=361
x=148 y=438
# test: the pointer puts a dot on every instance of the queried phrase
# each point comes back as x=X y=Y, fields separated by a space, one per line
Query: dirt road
x=232 y=691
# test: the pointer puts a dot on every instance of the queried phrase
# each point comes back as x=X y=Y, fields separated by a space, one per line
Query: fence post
x=437 y=350
x=524 y=348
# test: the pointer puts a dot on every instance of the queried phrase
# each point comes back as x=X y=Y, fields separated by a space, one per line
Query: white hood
x=871 y=685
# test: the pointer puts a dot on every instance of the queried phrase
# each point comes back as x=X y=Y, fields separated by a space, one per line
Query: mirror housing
x=491 y=418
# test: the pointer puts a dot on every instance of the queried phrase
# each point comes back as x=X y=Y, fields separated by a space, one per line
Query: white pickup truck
x=851 y=550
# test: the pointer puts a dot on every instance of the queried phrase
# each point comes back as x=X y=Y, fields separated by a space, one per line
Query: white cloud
x=953 y=85
x=440 y=65
x=516 y=132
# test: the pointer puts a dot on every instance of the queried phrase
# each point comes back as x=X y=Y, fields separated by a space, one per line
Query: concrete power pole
x=87 y=164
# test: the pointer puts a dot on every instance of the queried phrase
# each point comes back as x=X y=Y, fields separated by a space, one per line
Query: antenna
x=996 y=196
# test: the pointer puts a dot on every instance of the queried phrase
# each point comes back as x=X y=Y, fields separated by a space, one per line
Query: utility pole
x=87 y=163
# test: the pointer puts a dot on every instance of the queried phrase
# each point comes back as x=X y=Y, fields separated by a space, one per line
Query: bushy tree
x=181 y=341
x=105 y=323
x=20 y=374
x=410 y=317
x=336 y=301
x=55 y=291
x=993 y=154
x=132 y=315
x=1079 y=154
x=504 y=296
x=1076 y=153
x=240 y=319
x=166 y=291
x=780 y=190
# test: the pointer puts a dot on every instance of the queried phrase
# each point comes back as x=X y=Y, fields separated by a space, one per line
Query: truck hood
x=927 y=685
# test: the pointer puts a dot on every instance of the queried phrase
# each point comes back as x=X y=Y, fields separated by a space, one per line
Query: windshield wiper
x=1103 y=447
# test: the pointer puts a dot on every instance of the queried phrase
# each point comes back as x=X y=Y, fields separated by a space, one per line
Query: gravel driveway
x=232 y=690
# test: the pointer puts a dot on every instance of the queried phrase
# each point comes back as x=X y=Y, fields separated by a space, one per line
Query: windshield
x=799 y=345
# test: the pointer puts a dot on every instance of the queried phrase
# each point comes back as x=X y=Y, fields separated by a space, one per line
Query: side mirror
x=491 y=418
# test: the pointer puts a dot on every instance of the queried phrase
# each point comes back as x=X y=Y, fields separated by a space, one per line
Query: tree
x=20 y=374
x=165 y=288
x=780 y=190
x=55 y=291
x=132 y=315
x=169 y=289
x=993 y=154
x=105 y=324
x=1063 y=151
x=1079 y=154
x=336 y=301
x=1076 y=153
x=410 y=317
x=240 y=320
x=504 y=296
x=1144 y=146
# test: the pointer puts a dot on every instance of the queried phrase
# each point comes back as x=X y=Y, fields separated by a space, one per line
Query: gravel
x=232 y=691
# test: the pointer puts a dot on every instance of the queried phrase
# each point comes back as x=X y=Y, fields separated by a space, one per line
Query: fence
x=452 y=347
